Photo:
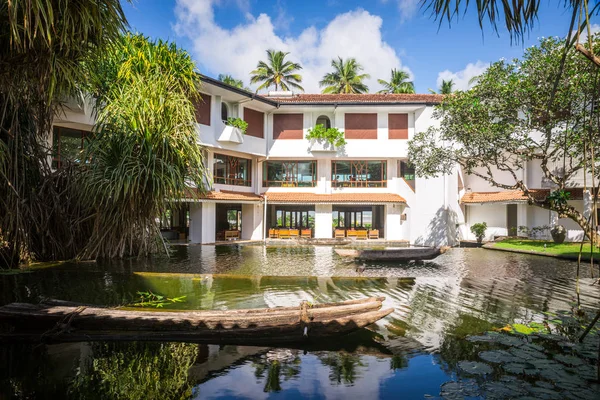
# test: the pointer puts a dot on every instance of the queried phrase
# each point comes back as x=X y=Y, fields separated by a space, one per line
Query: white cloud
x=461 y=78
x=236 y=51
x=594 y=28
x=408 y=9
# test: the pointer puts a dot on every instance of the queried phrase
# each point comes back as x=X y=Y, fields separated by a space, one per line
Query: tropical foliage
x=333 y=136
x=237 y=123
x=145 y=151
x=277 y=72
x=345 y=78
x=446 y=87
x=43 y=46
x=478 y=230
x=490 y=125
x=230 y=80
x=399 y=83
x=136 y=371
x=518 y=16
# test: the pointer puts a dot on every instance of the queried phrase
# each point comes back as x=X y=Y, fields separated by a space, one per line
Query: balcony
x=231 y=134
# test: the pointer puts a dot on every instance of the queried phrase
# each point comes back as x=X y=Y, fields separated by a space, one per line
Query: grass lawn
x=569 y=250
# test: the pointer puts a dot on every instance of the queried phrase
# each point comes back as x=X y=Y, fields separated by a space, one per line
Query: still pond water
x=434 y=345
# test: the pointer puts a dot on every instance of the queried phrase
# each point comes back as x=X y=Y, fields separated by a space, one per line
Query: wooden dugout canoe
x=398 y=254
x=66 y=322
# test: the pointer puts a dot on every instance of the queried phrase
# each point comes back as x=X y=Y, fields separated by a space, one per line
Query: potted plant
x=478 y=230
x=325 y=139
x=559 y=233
x=235 y=129
x=237 y=123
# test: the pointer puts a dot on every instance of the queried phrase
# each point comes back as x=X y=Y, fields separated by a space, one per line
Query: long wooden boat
x=395 y=254
x=67 y=322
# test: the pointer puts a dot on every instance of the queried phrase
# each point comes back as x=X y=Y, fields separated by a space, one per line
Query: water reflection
x=413 y=351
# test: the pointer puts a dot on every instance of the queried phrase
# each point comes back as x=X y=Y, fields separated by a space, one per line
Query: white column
x=323 y=221
x=252 y=221
x=393 y=227
x=196 y=223
x=208 y=222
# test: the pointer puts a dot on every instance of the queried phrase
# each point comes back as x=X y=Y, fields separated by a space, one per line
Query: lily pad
x=569 y=360
x=475 y=367
x=501 y=390
x=544 y=393
x=497 y=356
x=516 y=368
x=459 y=390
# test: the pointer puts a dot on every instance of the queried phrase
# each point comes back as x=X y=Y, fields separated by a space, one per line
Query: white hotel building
x=273 y=176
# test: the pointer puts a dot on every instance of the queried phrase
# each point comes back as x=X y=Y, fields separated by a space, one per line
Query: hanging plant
x=333 y=136
x=237 y=123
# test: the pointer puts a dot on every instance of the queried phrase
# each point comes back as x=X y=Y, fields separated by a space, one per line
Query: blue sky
x=230 y=36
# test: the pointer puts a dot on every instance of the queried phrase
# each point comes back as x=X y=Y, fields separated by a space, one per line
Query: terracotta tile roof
x=514 y=196
x=360 y=98
x=226 y=195
x=336 y=198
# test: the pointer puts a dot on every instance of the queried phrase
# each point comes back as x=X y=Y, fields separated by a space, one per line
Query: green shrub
x=333 y=136
x=478 y=230
x=237 y=123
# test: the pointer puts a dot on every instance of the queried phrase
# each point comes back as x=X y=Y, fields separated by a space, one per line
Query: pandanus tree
x=42 y=47
x=398 y=83
x=278 y=72
x=345 y=78
x=145 y=153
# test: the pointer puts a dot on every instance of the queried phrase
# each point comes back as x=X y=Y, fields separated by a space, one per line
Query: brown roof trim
x=514 y=196
x=223 y=196
x=345 y=99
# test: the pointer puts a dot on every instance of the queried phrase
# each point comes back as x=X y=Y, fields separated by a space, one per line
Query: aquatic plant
x=150 y=299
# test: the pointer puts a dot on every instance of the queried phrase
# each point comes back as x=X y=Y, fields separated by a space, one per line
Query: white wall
x=381 y=147
x=252 y=227
x=393 y=224
x=323 y=221
x=494 y=215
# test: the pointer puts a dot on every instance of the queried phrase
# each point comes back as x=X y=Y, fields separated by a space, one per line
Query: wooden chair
x=232 y=235
x=294 y=233
x=273 y=233
x=284 y=234
x=374 y=234
x=361 y=234
x=340 y=233
x=351 y=233
x=306 y=233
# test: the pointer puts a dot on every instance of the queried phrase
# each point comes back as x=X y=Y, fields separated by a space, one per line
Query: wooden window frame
x=232 y=165
x=291 y=168
x=358 y=167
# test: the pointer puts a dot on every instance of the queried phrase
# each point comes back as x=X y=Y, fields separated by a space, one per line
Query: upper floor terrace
x=374 y=125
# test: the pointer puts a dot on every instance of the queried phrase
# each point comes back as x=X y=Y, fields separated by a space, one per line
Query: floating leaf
x=475 y=367
x=497 y=356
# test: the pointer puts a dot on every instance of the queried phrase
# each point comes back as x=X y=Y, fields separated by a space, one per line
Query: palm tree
x=278 y=72
x=519 y=16
x=399 y=83
x=345 y=77
x=230 y=80
x=446 y=87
